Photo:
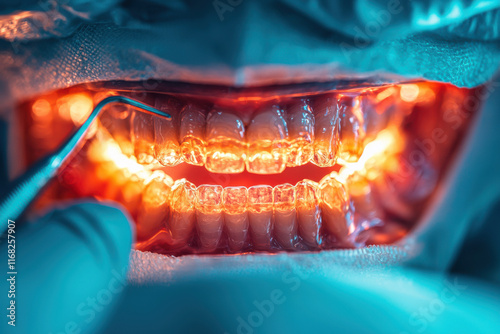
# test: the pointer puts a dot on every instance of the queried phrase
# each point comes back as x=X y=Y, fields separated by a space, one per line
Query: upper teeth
x=319 y=129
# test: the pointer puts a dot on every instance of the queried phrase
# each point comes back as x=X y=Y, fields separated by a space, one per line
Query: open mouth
x=304 y=167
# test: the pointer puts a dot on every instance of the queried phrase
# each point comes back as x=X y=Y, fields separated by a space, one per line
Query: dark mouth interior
x=287 y=168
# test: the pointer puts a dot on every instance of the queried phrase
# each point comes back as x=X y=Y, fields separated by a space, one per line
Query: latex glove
x=71 y=268
x=302 y=299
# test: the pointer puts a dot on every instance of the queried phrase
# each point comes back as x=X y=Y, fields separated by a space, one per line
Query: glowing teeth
x=154 y=209
x=209 y=215
x=326 y=132
x=300 y=125
x=308 y=215
x=266 y=136
x=235 y=216
x=182 y=215
x=192 y=134
x=143 y=137
x=285 y=217
x=260 y=214
x=352 y=128
x=308 y=212
x=225 y=143
x=354 y=134
x=167 y=150
x=334 y=207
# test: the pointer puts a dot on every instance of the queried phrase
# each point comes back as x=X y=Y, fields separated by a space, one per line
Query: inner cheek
x=276 y=190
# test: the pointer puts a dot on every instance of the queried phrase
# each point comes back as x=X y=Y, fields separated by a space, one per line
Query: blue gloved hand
x=71 y=268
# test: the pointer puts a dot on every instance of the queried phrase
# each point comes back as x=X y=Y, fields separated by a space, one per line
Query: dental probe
x=21 y=192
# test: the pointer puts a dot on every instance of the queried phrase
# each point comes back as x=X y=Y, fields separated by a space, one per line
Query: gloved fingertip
x=79 y=255
x=110 y=222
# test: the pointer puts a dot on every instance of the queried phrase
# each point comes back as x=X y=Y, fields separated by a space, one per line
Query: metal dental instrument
x=21 y=192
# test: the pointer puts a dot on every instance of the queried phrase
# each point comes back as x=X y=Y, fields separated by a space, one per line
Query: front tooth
x=209 y=215
x=334 y=207
x=143 y=137
x=352 y=128
x=153 y=212
x=260 y=215
x=326 y=131
x=192 y=134
x=225 y=143
x=308 y=212
x=285 y=218
x=300 y=125
x=236 y=217
x=182 y=215
x=266 y=136
x=166 y=136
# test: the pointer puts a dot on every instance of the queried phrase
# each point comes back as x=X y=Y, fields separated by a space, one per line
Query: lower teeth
x=209 y=218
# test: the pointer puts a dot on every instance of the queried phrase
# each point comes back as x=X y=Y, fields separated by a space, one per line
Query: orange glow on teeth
x=226 y=148
x=209 y=198
x=182 y=215
x=352 y=133
x=235 y=216
x=374 y=155
x=334 y=206
x=285 y=215
x=300 y=124
x=308 y=211
x=154 y=211
x=260 y=212
x=143 y=137
x=242 y=164
x=326 y=132
x=192 y=132
x=209 y=217
x=235 y=199
x=266 y=150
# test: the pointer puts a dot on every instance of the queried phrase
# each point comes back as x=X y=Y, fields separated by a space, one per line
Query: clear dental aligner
x=261 y=170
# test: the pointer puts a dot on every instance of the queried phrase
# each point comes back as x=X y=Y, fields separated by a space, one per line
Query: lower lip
x=395 y=198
